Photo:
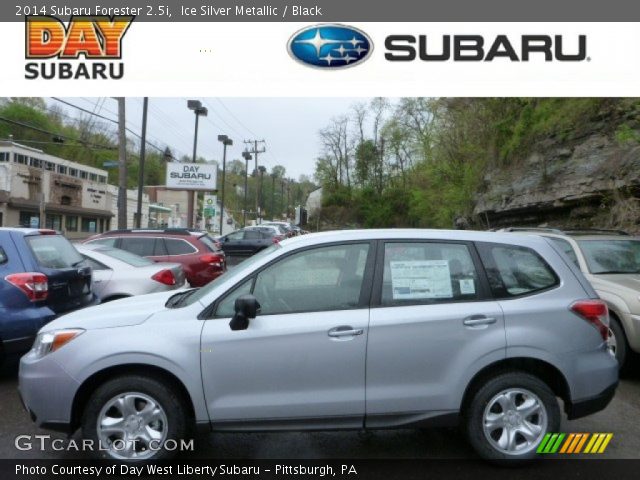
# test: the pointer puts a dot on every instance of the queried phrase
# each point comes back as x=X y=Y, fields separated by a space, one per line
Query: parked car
x=338 y=330
x=199 y=255
x=610 y=259
x=247 y=242
x=286 y=226
x=119 y=274
x=41 y=276
x=276 y=231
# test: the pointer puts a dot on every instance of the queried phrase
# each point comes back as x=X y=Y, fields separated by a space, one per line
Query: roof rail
x=531 y=229
x=596 y=231
x=174 y=231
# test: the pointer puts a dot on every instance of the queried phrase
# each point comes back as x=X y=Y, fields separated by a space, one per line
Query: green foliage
x=426 y=162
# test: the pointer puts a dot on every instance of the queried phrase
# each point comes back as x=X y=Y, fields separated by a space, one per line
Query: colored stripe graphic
x=550 y=443
x=573 y=443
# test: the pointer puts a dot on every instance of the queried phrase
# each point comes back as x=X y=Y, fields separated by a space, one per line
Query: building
x=71 y=197
x=314 y=202
x=132 y=207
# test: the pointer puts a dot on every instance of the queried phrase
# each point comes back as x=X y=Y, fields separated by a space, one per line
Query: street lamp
x=226 y=141
x=247 y=157
x=198 y=109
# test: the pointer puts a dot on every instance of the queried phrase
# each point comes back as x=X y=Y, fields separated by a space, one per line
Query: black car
x=244 y=243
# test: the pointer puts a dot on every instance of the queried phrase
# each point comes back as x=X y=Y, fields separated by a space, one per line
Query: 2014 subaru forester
x=340 y=330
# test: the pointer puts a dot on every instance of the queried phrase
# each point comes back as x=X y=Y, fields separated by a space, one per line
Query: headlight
x=48 y=342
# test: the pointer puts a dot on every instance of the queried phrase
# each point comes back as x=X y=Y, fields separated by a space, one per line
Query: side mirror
x=246 y=307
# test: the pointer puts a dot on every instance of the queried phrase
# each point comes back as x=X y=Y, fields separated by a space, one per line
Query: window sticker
x=415 y=280
x=467 y=286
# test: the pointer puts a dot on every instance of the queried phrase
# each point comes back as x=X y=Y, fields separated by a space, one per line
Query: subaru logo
x=330 y=46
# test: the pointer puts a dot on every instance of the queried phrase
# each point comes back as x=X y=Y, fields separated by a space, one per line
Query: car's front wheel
x=131 y=418
x=509 y=416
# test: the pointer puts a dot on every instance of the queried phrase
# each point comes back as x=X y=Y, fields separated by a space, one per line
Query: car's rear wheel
x=509 y=416
x=617 y=342
x=131 y=418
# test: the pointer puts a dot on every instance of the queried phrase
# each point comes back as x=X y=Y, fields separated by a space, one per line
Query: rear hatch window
x=209 y=243
x=69 y=279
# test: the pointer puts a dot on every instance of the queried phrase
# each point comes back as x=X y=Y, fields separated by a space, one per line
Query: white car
x=119 y=274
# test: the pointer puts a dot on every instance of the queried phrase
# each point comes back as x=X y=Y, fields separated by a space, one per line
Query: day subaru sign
x=191 y=176
x=330 y=46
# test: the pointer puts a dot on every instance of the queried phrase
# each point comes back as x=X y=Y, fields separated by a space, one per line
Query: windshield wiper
x=177 y=299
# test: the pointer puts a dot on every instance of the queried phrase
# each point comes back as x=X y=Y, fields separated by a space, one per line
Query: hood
x=626 y=280
x=119 y=313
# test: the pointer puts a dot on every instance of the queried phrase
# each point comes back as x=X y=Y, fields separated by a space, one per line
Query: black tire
x=513 y=380
x=622 y=347
x=164 y=395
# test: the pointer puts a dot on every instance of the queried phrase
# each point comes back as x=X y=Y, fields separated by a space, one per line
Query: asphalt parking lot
x=620 y=418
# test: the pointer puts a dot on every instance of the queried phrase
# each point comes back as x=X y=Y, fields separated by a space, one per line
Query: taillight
x=34 y=285
x=213 y=260
x=46 y=231
x=165 y=276
x=276 y=239
x=596 y=313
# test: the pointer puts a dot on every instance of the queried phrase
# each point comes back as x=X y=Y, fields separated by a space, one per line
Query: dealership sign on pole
x=191 y=176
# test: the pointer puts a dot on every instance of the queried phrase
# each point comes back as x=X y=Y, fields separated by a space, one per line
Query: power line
x=132 y=132
x=60 y=135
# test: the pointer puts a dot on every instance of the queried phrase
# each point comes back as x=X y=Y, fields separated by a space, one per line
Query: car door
x=252 y=242
x=301 y=361
x=432 y=325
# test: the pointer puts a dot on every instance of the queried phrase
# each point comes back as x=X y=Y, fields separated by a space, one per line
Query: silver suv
x=340 y=330
x=610 y=260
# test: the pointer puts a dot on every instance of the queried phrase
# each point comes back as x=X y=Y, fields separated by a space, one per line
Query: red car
x=200 y=255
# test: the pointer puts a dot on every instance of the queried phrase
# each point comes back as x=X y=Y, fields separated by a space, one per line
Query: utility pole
x=282 y=206
x=247 y=157
x=255 y=151
x=122 y=165
x=143 y=149
x=288 y=199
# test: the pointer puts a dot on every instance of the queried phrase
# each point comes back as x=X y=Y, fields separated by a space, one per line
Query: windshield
x=611 y=256
x=246 y=266
x=126 y=257
x=54 y=251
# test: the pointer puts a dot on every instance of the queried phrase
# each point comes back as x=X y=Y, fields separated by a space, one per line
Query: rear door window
x=514 y=271
x=428 y=272
x=252 y=235
x=3 y=256
x=143 y=246
x=53 y=251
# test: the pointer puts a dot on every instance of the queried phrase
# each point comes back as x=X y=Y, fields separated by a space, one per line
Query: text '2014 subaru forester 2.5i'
x=339 y=330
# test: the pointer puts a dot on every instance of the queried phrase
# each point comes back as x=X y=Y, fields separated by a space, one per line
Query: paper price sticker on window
x=421 y=279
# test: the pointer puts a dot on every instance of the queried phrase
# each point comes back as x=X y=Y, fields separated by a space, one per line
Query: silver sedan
x=118 y=273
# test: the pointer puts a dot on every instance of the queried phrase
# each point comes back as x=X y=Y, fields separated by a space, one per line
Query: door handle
x=345 y=331
x=478 y=320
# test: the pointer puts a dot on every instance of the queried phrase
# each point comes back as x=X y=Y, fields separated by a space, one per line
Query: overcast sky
x=288 y=125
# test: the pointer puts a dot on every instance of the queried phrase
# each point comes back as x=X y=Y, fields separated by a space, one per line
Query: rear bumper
x=591 y=405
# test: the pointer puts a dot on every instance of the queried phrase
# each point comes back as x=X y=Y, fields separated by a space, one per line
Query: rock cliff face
x=591 y=180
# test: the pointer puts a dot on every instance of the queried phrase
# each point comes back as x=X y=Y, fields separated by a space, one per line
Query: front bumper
x=47 y=392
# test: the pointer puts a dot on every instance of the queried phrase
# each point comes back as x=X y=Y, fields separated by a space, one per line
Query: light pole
x=226 y=141
x=247 y=157
x=261 y=170
x=273 y=194
x=198 y=109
